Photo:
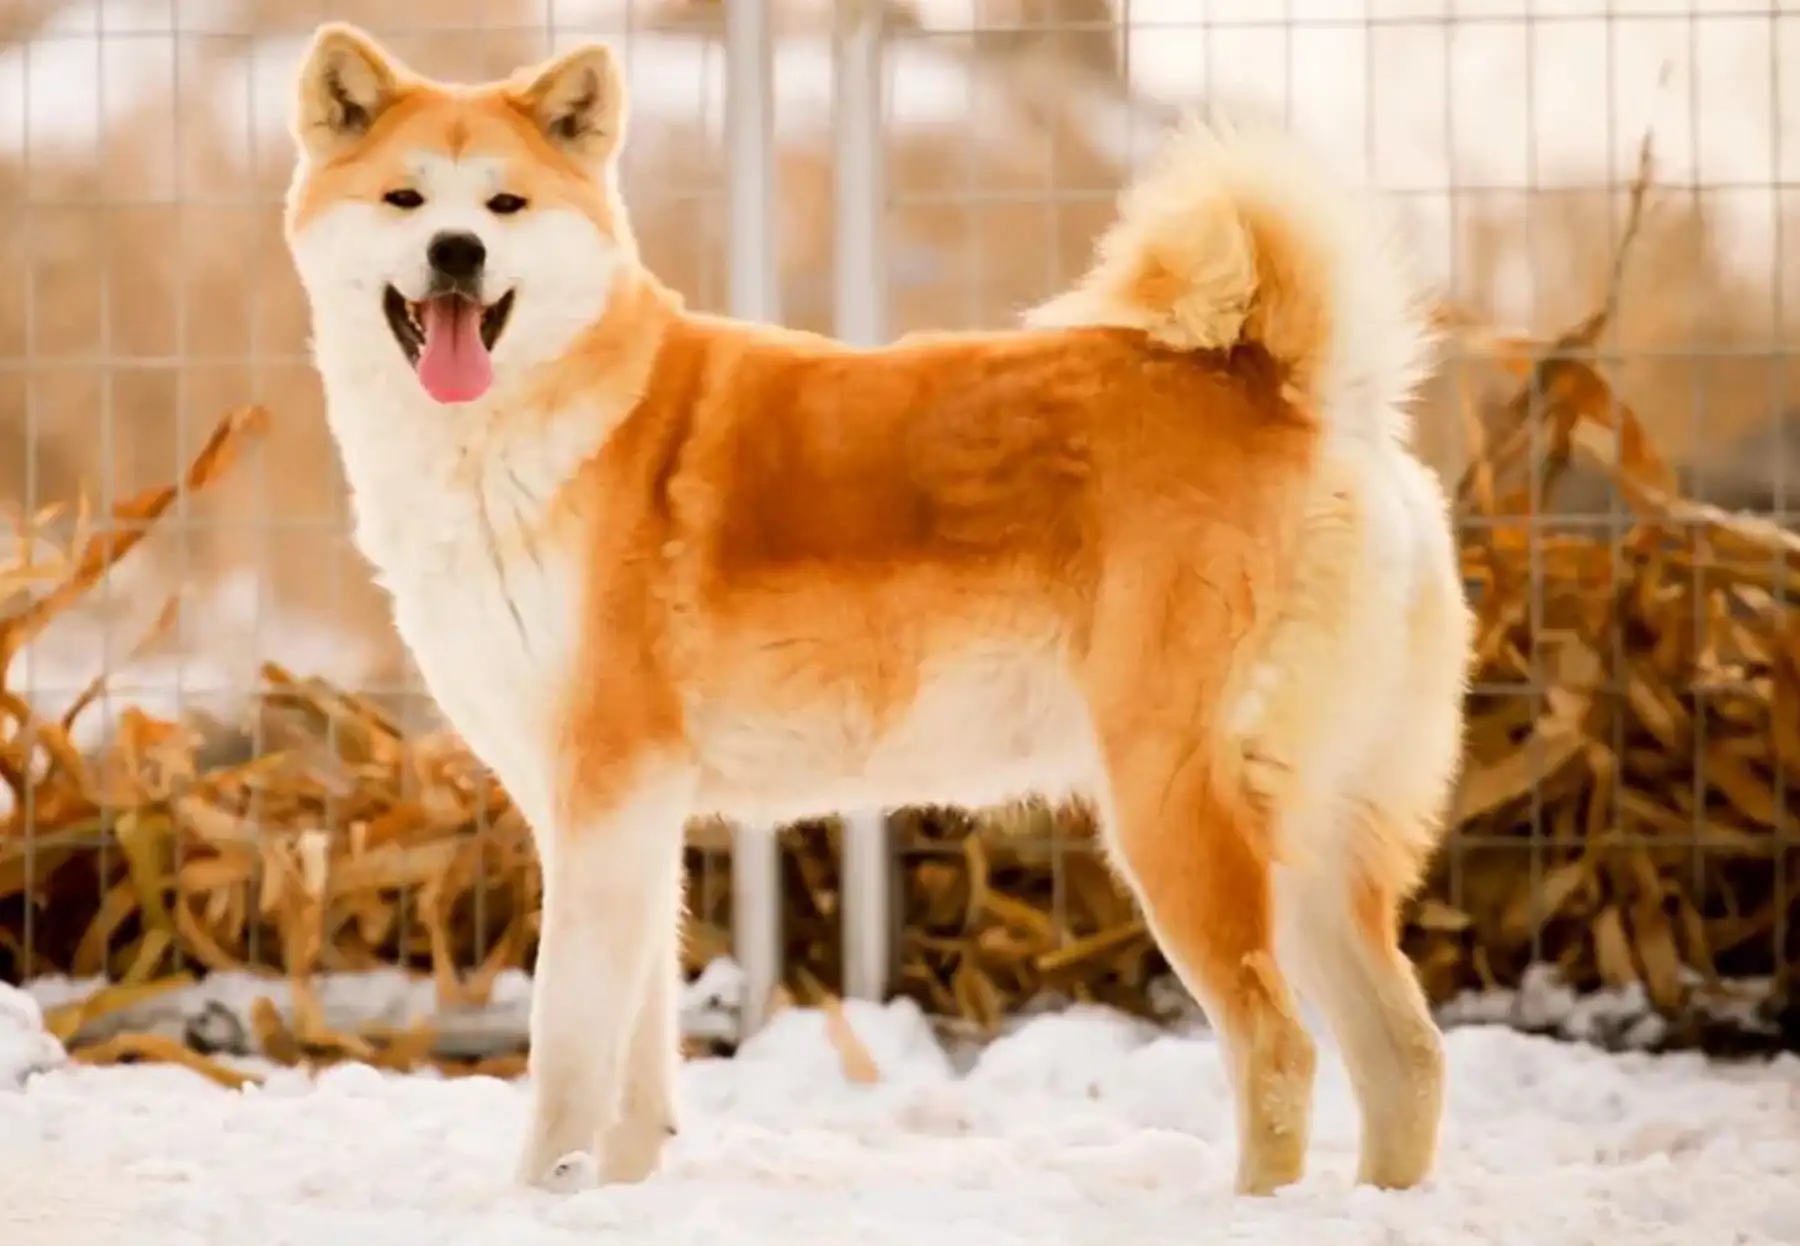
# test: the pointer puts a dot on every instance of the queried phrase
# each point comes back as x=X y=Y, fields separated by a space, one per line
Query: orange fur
x=1165 y=546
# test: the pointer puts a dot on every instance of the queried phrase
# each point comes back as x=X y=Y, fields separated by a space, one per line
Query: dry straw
x=1637 y=707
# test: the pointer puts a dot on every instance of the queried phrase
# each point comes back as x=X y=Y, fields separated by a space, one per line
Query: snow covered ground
x=1079 y=1127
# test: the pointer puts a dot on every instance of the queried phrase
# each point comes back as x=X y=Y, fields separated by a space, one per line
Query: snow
x=25 y=1049
x=1079 y=1126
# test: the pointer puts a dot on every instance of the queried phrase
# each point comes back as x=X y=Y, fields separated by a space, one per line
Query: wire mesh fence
x=873 y=169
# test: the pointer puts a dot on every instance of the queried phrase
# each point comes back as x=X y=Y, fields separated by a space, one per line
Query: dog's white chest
x=489 y=617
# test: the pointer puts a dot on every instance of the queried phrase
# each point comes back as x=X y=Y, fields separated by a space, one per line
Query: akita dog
x=1164 y=545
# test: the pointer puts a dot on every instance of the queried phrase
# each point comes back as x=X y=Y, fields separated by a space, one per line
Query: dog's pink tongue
x=454 y=366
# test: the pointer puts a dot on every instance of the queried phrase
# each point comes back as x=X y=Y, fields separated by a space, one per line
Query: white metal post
x=868 y=912
x=860 y=195
x=859 y=302
x=754 y=295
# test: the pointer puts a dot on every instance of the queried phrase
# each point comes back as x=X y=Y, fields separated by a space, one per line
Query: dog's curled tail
x=1239 y=233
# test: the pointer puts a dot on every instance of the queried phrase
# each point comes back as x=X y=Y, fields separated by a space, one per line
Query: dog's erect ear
x=579 y=100
x=346 y=81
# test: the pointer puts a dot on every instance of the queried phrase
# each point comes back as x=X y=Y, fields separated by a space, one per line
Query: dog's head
x=457 y=236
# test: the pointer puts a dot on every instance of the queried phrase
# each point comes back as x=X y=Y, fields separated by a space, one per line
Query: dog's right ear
x=346 y=81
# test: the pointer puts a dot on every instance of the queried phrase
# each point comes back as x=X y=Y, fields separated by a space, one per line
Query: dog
x=1163 y=545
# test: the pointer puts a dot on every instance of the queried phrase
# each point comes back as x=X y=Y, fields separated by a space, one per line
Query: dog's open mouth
x=449 y=340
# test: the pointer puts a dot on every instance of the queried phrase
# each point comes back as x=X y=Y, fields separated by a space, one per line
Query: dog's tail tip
x=1239 y=233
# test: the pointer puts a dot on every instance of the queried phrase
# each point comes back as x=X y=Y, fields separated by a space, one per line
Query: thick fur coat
x=1165 y=545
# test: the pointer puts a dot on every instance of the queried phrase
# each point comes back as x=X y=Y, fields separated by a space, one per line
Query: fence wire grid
x=867 y=169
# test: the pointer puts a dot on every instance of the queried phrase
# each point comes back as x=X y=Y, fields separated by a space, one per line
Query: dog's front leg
x=612 y=886
x=631 y=1148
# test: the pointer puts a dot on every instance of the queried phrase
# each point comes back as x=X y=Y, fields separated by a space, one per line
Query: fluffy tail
x=1245 y=235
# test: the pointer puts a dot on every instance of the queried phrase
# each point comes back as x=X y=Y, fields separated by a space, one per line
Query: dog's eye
x=505 y=205
x=406 y=200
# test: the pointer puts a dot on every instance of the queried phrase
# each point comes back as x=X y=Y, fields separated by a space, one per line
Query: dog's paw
x=573 y=1173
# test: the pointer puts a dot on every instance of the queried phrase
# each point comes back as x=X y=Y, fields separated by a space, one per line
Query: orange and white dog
x=1166 y=545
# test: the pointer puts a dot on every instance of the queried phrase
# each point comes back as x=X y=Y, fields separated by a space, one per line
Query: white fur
x=444 y=512
x=553 y=259
x=604 y=1034
x=448 y=511
x=992 y=725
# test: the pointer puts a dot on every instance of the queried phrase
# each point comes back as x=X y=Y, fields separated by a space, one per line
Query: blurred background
x=145 y=291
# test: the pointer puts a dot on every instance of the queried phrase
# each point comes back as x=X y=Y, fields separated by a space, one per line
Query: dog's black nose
x=456 y=256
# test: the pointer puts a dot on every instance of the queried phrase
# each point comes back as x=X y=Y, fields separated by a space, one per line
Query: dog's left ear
x=579 y=101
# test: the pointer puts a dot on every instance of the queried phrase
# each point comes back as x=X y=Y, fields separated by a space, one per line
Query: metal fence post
x=754 y=295
x=859 y=303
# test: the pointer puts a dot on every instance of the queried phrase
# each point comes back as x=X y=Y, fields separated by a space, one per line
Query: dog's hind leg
x=1366 y=733
x=1199 y=862
x=1340 y=933
x=1196 y=852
